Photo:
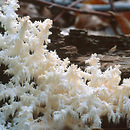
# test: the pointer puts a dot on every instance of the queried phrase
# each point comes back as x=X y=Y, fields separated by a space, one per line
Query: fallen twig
x=71 y=5
x=74 y=9
x=112 y=5
x=119 y=6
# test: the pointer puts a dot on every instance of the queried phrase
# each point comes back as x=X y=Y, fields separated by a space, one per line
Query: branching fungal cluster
x=45 y=92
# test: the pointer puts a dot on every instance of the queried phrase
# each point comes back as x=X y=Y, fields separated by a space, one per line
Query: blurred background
x=99 y=17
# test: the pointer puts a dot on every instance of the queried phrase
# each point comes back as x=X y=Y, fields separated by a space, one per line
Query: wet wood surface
x=78 y=47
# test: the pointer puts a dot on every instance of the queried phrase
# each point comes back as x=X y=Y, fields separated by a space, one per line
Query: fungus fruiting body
x=45 y=92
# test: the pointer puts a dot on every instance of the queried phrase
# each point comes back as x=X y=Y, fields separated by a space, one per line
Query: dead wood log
x=98 y=44
x=78 y=46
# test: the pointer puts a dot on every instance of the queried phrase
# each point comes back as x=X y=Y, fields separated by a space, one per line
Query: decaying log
x=78 y=46
x=98 y=44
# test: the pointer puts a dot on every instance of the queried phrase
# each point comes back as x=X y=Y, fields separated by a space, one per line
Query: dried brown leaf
x=124 y=21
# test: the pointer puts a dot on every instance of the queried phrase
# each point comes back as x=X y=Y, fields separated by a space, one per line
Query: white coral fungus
x=60 y=94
